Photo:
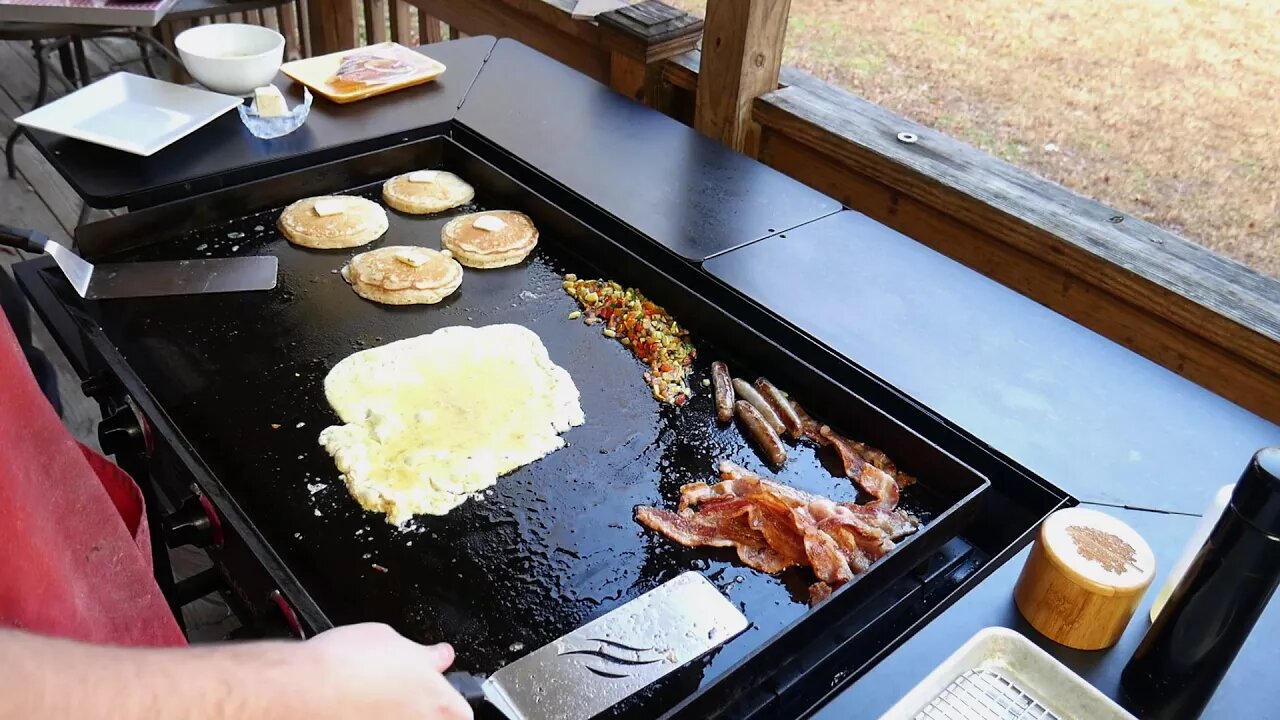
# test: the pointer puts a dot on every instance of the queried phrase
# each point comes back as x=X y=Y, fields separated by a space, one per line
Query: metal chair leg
x=43 y=71
x=145 y=49
x=68 y=64
x=9 y=160
x=82 y=64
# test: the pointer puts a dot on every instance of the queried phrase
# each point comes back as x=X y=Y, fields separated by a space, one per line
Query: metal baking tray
x=1000 y=675
x=234 y=382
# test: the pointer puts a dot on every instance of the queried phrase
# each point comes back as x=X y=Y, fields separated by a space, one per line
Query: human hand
x=370 y=670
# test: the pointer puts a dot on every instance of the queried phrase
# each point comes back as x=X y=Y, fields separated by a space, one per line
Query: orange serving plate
x=410 y=68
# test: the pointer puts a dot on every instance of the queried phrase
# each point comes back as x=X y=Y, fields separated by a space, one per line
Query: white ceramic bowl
x=231 y=58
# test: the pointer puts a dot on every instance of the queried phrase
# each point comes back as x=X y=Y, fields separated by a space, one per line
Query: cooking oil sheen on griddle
x=433 y=419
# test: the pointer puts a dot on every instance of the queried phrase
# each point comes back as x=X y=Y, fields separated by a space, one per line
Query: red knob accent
x=290 y=617
x=215 y=522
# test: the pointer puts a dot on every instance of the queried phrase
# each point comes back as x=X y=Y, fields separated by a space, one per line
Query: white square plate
x=130 y=112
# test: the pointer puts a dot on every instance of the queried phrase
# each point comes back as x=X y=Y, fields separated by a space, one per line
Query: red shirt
x=74 y=554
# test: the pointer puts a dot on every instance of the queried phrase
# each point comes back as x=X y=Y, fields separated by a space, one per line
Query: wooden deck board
x=17 y=92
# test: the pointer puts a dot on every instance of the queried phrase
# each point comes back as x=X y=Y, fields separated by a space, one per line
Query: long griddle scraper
x=612 y=657
x=149 y=279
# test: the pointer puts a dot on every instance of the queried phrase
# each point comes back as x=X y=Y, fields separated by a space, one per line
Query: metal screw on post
x=907 y=138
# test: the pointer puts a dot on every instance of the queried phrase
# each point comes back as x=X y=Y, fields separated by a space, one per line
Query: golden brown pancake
x=480 y=248
x=360 y=222
x=426 y=191
x=403 y=275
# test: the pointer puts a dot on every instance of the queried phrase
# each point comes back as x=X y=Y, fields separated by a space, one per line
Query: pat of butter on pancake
x=423 y=176
x=488 y=223
x=431 y=420
x=411 y=259
x=329 y=206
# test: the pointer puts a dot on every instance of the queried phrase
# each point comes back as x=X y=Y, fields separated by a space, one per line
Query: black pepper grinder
x=1188 y=649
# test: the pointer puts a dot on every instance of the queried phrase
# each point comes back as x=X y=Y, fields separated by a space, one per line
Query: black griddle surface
x=554 y=543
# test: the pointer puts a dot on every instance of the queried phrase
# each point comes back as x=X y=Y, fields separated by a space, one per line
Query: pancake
x=426 y=191
x=490 y=248
x=403 y=275
x=357 y=222
x=432 y=420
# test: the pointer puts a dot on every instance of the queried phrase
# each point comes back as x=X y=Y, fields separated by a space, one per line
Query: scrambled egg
x=431 y=420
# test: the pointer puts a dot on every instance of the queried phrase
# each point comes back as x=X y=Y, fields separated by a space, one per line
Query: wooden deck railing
x=1203 y=316
x=340 y=24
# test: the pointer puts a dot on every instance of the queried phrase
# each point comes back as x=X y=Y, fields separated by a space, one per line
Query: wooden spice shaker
x=1084 y=579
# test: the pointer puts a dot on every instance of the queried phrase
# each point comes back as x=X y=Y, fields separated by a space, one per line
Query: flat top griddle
x=554 y=543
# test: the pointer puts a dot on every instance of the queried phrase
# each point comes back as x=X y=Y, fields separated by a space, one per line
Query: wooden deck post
x=741 y=57
x=640 y=38
x=332 y=25
x=401 y=17
x=428 y=28
x=375 y=21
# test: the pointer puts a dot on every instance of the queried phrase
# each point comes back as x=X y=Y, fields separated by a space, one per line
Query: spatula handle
x=23 y=239
x=468 y=686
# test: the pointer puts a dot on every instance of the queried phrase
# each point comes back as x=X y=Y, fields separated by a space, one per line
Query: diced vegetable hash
x=653 y=335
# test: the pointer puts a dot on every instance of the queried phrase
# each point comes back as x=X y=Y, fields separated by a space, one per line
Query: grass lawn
x=1166 y=109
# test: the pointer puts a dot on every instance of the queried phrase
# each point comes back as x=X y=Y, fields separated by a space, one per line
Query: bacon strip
x=808 y=426
x=723 y=530
x=825 y=555
x=818 y=592
x=850 y=450
x=772 y=519
x=774 y=526
x=762 y=558
x=689 y=531
x=874 y=481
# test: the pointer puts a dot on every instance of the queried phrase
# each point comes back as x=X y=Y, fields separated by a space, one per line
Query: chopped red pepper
x=653 y=335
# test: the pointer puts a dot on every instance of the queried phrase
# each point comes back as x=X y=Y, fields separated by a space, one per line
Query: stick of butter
x=488 y=223
x=329 y=206
x=423 y=176
x=270 y=102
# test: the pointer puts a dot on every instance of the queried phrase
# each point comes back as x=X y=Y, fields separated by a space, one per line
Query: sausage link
x=759 y=431
x=744 y=391
x=723 y=386
x=782 y=406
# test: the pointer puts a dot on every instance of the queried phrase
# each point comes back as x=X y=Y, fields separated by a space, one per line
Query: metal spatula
x=148 y=279
x=612 y=657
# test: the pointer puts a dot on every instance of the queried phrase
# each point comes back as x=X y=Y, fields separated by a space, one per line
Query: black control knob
x=195 y=522
x=122 y=432
x=98 y=384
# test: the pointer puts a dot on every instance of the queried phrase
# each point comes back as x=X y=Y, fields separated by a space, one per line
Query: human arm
x=356 y=671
